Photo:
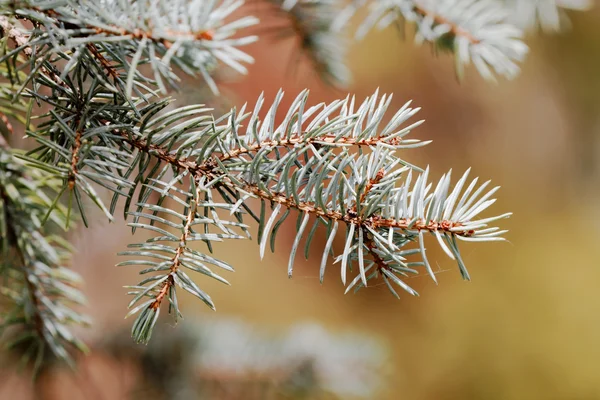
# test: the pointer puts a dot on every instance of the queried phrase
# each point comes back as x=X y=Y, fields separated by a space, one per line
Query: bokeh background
x=528 y=324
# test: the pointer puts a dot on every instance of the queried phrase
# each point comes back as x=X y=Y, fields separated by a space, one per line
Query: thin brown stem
x=296 y=139
x=381 y=264
x=110 y=70
x=372 y=182
x=20 y=39
x=440 y=20
x=139 y=34
x=176 y=262
x=7 y=124
x=75 y=159
x=371 y=246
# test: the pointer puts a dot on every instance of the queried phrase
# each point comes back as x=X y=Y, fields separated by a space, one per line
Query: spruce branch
x=181 y=256
x=39 y=295
x=307 y=163
x=338 y=166
x=476 y=31
x=39 y=291
x=121 y=36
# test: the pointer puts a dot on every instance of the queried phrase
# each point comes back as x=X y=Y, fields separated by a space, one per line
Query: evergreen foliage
x=87 y=80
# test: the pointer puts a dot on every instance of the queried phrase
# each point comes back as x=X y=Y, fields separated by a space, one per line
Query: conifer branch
x=39 y=288
x=116 y=31
x=126 y=34
x=435 y=213
x=335 y=164
x=29 y=287
x=475 y=31
x=438 y=19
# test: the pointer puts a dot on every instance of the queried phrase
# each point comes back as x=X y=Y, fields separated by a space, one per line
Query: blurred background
x=526 y=327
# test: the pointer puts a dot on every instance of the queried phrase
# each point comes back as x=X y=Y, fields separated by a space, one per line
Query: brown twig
x=372 y=182
x=175 y=263
x=296 y=139
x=75 y=159
x=440 y=20
x=371 y=246
x=20 y=39
x=381 y=264
x=207 y=169
x=137 y=33
x=110 y=70
x=7 y=123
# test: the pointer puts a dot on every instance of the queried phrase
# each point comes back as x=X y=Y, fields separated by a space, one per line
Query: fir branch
x=351 y=217
x=192 y=35
x=39 y=289
x=373 y=205
x=170 y=266
x=474 y=30
x=135 y=33
x=336 y=163
x=187 y=231
x=40 y=294
x=144 y=325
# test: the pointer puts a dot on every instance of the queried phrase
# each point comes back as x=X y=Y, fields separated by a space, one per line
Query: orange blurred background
x=525 y=327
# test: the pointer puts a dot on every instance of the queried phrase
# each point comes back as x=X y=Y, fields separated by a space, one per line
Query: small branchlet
x=476 y=31
x=308 y=163
x=120 y=36
x=44 y=294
